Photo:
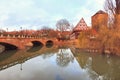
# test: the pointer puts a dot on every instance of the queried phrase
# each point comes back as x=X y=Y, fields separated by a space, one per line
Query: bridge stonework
x=22 y=43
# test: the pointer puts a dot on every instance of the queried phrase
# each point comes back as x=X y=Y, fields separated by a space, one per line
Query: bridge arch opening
x=8 y=46
x=37 y=43
x=49 y=43
x=36 y=46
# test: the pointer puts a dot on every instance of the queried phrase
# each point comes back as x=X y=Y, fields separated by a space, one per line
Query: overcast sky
x=33 y=14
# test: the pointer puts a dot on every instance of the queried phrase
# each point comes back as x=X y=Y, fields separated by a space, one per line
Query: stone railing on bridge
x=20 y=36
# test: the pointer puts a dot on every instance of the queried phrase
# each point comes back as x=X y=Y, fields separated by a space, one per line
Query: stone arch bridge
x=21 y=41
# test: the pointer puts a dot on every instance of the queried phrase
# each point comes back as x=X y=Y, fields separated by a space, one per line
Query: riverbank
x=75 y=45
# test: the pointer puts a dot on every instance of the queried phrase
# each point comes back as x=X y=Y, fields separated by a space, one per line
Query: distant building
x=99 y=19
x=81 y=26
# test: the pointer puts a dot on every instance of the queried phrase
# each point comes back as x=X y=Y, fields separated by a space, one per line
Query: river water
x=58 y=63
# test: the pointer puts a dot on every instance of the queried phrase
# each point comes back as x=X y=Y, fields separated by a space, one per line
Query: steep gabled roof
x=81 y=26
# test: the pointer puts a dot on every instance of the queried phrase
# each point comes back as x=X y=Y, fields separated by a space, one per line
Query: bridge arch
x=49 y=43
x=8 y=46
x=37 y=43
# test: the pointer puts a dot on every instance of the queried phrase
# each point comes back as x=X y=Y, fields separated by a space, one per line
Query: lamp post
x=21 y=30
x=0 y=30
x=21 y=67
x=7 y=29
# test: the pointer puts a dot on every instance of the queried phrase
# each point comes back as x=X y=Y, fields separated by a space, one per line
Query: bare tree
x=45 y=30
x=62 y=25
x=112 y=7
x=71 y=27
x=2 y=31
x=117 y=6
x=64 y=58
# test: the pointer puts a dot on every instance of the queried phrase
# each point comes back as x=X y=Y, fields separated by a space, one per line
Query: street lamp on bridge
x=7 y=29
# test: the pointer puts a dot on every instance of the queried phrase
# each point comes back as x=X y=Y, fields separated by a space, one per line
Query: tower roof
x=100 y=12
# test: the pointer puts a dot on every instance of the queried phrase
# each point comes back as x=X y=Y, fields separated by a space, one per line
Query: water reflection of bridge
x=21 y=56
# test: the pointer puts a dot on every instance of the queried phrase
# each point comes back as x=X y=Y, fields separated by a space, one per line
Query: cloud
x=33 y=14
x=88 y=10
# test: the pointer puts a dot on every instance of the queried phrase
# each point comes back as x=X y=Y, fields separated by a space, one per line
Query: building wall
x=118 y=21
x=72 y=36
x=99 y=20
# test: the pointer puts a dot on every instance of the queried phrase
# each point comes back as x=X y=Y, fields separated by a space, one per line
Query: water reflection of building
x=99 y=67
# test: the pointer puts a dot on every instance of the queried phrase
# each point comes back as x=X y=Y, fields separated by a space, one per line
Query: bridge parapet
x=19 y=36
